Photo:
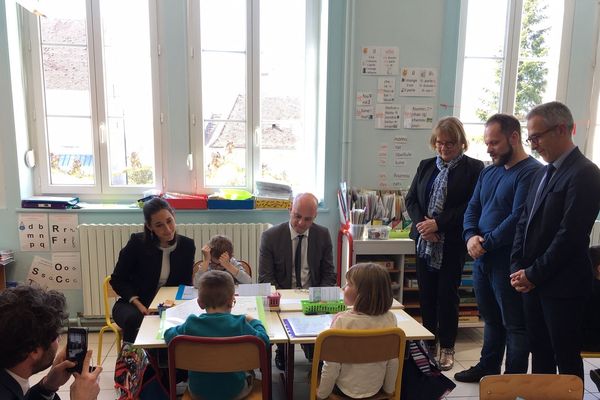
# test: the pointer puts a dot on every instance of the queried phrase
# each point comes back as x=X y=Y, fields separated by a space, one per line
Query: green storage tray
x=322 y=307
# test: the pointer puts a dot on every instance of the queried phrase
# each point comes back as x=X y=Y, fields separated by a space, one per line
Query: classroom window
x=503 y=69
x=91 y=83
x=257 y=81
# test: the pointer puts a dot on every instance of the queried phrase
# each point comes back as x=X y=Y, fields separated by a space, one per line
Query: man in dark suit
x=549 y=259
x=30 y=320
x=282 y=265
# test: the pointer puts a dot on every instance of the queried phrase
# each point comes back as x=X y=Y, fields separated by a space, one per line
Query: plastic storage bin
x=322 y=307
x=378 y=232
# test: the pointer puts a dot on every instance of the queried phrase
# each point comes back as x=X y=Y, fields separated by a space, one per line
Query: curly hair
x=30 y=317
x=220 y=244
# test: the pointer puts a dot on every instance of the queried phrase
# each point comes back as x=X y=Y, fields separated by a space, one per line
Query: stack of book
x=6 y=257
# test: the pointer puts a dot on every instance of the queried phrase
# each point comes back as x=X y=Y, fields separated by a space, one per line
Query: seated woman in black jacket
x=152 y=259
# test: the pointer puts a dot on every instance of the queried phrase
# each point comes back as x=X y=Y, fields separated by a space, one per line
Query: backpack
x=421 y=378
x=136 y=376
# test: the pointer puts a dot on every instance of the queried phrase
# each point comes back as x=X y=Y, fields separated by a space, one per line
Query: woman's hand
x=428 y=226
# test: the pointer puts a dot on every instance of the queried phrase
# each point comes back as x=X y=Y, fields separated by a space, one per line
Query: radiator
x=101 y=243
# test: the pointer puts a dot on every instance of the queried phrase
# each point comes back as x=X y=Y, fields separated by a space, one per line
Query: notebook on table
x=306 y=326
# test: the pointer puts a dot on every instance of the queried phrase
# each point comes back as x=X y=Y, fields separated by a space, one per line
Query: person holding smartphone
x=30 y=322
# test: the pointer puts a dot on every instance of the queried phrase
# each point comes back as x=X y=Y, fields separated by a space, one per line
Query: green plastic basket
x=322 y=307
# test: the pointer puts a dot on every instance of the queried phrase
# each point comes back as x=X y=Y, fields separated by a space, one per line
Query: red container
x=187 y=202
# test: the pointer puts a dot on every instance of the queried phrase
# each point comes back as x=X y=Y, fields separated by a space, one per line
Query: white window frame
x=508 y=81
x=314 y=116
x=35 y=92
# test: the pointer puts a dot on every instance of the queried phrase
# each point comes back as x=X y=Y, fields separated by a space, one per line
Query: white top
x=24 y=383
x=165 y=269
x=360 y=380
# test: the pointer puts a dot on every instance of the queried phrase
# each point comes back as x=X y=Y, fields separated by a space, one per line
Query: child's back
x=216 y=296
x=368 y=289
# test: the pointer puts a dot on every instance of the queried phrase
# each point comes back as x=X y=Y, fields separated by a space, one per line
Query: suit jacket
x=461 y=183
x=138 y=269
x=552 y=247
x=275 y=262
x=11 y=390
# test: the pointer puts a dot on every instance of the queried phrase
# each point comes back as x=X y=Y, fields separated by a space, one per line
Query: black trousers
x=554 y=328
x=438 y=294
x=129 y=318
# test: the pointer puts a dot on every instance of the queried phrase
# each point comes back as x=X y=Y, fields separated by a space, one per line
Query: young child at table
x=218 y=255
x=216 y=296
x=591 y=319
x=369 y=289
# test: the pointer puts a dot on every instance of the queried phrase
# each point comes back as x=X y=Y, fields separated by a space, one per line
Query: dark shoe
x=471 y=375
x=595 y=375
x=280 y=359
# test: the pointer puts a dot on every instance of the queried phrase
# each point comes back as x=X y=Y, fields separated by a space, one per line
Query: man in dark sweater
x=489 y=228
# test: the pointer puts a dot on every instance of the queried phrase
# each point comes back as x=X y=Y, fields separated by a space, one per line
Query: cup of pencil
x=357 y=231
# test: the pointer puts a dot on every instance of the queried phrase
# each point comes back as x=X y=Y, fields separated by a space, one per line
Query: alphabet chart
x=33 y=231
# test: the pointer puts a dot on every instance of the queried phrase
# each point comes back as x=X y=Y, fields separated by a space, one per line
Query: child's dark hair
x=220 y=244
x=595 y=257
x=151 y=207
x=215 y=289
x=373 y=288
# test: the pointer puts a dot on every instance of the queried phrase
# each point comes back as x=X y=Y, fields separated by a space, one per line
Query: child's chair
x=359 y=346
x=108 y=292
x=224 y=354
x=531 y=387
x=246 y=267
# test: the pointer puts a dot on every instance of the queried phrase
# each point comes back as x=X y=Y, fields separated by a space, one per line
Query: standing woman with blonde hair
x=436 y=203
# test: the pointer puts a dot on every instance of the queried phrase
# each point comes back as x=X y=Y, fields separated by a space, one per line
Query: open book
x=308 y=325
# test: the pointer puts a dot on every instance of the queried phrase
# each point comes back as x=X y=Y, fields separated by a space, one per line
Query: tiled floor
x=468 y=346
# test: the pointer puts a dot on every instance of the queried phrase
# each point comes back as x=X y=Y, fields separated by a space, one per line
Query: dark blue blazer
x=552 y=247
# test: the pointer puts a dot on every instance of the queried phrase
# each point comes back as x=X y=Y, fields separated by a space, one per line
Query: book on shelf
x=468 y=312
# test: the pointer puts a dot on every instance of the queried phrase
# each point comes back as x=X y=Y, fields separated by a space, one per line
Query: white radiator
x=101 y=243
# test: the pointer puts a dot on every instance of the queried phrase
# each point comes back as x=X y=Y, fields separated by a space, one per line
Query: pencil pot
x=357 y=231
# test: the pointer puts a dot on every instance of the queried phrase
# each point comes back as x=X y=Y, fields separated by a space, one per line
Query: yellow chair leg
x=100 y=336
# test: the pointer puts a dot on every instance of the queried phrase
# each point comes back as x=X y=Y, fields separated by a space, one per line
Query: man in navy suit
x=30 y=320
x=297 y=254
x=549 y=260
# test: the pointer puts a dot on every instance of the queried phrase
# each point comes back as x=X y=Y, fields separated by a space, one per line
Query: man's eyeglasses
x=535 y=138
x=448 y=145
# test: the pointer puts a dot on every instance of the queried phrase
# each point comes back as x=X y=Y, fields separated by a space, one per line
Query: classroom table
x=290 y=300
x=411 y=327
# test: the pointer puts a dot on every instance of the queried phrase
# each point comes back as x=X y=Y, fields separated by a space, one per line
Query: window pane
x=70 y=149
x=66 y=84
x=224 y=75
x=128 y=92
x=285 y=143
x=485 y=36
x=225 y=155
x=480 y=89
x=223 y=25
x=539 y=54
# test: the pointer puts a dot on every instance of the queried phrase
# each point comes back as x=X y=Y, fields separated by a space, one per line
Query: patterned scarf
x=432 y=252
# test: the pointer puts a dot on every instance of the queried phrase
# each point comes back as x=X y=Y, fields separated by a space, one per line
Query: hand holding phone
x=77 y=347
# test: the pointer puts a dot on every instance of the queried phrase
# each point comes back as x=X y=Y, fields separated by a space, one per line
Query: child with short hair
x=218 y=255
x=216 y=295
x=369 y=289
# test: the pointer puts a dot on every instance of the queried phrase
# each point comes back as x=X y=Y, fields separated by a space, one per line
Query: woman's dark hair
x=30 y=317
x=151 y=207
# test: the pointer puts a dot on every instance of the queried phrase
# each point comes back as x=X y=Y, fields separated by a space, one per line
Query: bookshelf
x=398 y=256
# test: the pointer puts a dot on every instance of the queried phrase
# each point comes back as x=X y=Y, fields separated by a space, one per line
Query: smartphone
x=77 y=347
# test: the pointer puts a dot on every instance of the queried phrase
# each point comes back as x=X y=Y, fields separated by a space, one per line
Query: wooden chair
x=108 y=293
x=359 y=346
x=531 y=387
x=224 y=354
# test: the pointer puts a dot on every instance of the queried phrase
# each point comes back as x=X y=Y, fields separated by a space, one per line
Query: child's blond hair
x=215 y=289
x=373 y=288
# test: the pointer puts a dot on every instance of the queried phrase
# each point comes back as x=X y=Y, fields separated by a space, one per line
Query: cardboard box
x=265 y=202
x=222 y=204
x=188 y=202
